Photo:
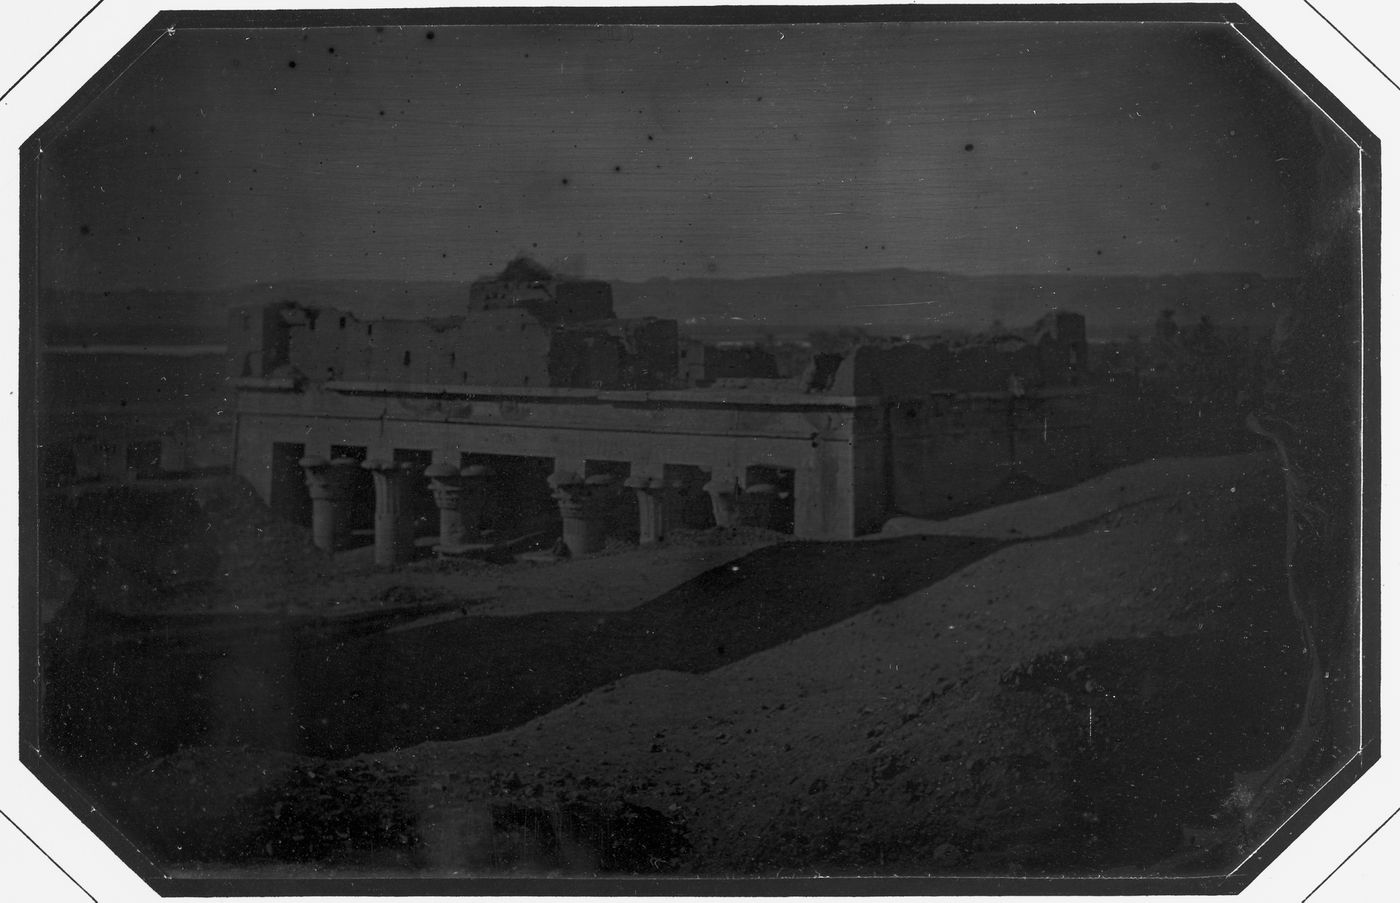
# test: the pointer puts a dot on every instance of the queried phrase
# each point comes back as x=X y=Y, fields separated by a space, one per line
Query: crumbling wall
x=314 y=351
x=951 y=453
x=585 y=359
x=902 y=370
x=256 y=340
x=739 y=362
x=651 y=353
x=872 y=476
x=691 y=362
x=1064 y=347
x=615 y=354
x=1005 y=365
x=702 y=364
x=577 y=302
x=545 y=298
x=497 y=347
x=492 y=348
x=912 y=370
x=1051 y=353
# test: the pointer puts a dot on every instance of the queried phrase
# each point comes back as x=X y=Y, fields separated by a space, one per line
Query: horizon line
x=706 y=278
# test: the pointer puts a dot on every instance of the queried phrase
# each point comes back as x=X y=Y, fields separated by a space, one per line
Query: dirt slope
x=1079 y=695
x=973 y=724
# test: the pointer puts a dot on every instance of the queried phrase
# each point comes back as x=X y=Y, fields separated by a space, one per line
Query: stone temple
x=537 y=408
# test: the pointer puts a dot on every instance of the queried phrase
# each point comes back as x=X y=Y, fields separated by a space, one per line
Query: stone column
x=393 y=521
x=446 y=483
x=582 y=507
x=328 y=484
x=651 y=507
x=724 y=498
x=461 y=499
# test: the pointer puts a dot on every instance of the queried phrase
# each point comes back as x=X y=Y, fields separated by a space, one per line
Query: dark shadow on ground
x=477 y=676
x=300 y=691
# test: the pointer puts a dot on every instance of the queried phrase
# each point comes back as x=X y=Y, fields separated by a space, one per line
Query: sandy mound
x=1115 y=491
x=1067 y=684
x=946 y=730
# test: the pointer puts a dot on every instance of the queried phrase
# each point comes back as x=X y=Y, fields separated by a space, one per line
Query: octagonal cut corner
x=546 y=448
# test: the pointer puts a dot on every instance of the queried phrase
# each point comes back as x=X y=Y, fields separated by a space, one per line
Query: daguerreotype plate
x=767 y=451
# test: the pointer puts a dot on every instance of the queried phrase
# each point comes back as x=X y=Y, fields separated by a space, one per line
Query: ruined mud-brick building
x=126 y=414
x=537 y=399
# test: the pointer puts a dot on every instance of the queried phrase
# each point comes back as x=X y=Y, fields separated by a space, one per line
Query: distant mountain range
x=911 y=302
x=882 y=302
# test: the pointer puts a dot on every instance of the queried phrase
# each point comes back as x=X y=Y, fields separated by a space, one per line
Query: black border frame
x=30 y=686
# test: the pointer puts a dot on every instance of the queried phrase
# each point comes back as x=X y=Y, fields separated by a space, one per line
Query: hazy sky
x=235 y=156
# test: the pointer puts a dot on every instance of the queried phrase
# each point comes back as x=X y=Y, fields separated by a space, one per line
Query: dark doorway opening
x=287 y=495
x=780 y=507
x=519 y=499
x=693 y=507
x=622 y=518
x=420 y=493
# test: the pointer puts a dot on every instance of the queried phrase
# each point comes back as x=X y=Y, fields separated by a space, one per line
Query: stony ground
x=965 y=725
x=208 y=547
x=1077 y=683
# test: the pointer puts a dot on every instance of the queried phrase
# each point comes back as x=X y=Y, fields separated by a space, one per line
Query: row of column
x=330 y=484
x=584 y=504
x=460 y=494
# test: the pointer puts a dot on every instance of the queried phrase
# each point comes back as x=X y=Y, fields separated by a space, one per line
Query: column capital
x=649 y=484
x=722 y=486
x=562 y=479
x=723 y=489
x=441 y=472
x=460 y=495
x=328 y=487
x=582 y=507
x=325 y=479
